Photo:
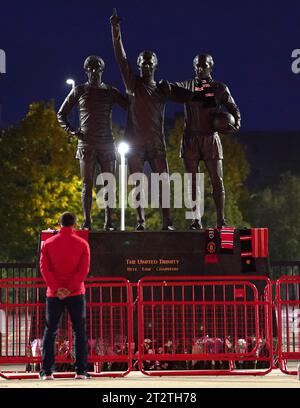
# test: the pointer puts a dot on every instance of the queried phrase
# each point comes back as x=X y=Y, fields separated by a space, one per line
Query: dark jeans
x=54 y=310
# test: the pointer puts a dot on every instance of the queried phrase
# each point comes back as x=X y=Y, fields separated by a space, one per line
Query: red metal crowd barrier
x=185 y=326
x=109 y=328
x=206 y=325
x=288 y=318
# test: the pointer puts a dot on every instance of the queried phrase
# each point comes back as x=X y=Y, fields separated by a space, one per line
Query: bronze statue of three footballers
x=203 y=98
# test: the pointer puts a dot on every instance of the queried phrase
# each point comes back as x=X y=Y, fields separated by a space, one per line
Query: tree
x=38 y=181
x=277 y=207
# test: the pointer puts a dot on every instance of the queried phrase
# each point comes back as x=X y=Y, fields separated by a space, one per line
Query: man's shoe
x=86 y=225
x=45 y=376
x=109 y=226
x=82 y=376
x=140 y=226
x=195 y=225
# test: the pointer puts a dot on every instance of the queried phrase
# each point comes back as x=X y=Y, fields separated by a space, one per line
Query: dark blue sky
x=251 y=42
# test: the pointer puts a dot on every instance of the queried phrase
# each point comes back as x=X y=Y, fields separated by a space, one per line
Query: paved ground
x=275 y=379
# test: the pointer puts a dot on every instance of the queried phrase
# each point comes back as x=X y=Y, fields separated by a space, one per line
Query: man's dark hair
x=67 y=219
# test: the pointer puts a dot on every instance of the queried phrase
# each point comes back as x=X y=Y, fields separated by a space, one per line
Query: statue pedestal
x=134 y=255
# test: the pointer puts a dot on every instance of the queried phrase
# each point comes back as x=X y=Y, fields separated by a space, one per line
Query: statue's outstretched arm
x=120 y=54
x=120 y=99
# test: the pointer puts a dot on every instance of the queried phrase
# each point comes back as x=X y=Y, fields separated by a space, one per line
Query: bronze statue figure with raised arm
x=145 y=122
x=200 y=139
x=95 y=100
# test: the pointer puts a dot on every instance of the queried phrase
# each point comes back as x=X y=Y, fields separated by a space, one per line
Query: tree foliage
x=38 y=180
x=277 y=208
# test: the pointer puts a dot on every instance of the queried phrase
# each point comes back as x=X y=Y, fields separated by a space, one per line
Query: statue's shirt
x=212 y=96
x=147 y=101
x=95 y=113
x=145 y=122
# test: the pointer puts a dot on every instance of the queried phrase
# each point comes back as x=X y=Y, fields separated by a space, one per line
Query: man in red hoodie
x=64 y=264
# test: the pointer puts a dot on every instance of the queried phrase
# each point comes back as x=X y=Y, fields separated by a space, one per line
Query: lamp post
x=123 y=149
x=71 y=82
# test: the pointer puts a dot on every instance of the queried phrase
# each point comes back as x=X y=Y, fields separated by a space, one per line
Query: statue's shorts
x=156 y=157
x=146 y=154
x=96 y=153
x=199 y=146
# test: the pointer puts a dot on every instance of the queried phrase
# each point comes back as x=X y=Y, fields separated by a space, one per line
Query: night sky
x=251 y=41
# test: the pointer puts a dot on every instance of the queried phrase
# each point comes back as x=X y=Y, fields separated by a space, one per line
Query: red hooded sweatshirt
x=65 y=262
